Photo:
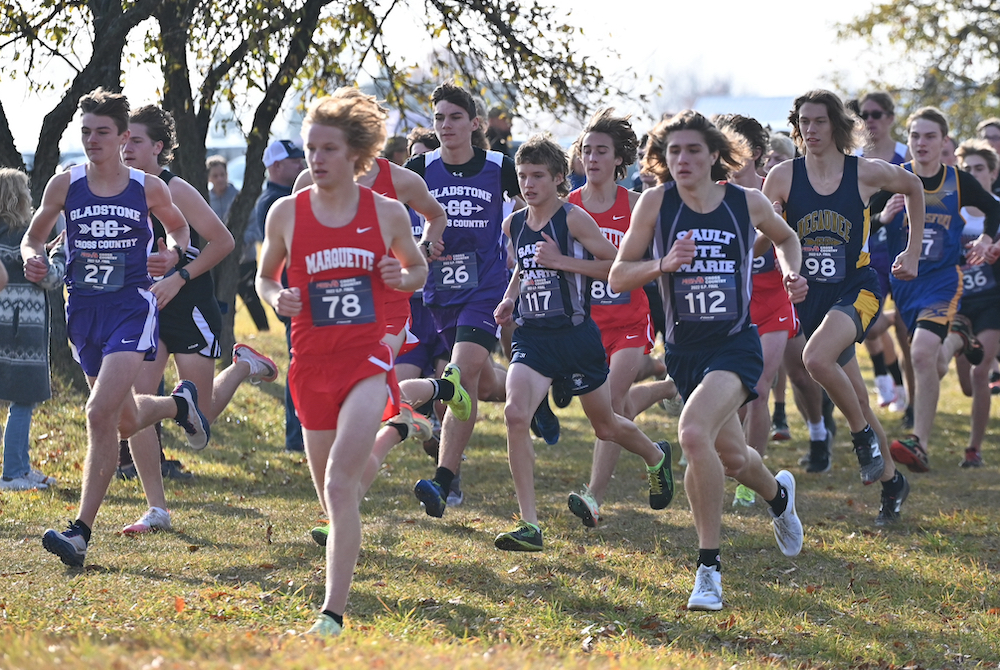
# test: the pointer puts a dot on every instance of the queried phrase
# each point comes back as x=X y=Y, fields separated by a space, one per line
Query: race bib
x=455 y=272
x=763 y=263
x=601 y=294
x=342 y=302
x=824 y=263
x=932 y=245
x=977 y=279
x=705 y=297
x=99 y=271
x=541 y=298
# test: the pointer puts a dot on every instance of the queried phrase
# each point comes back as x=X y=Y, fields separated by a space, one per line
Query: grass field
x=238 y=578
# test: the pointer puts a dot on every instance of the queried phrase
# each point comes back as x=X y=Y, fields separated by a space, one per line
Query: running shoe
x=780 y=432
x=173 y=469
x=455 y=495
x=973 y=458
x=901 y=402
x=320 y=534
x=745 y=497
x=431 y=496
x=325 y=626
x=432 y=445
x=673 y=406
x=546 y=423
x=460 y=403
x=20 y=484
x=888 y=512
x=971 y=347
x=661 y=479
x=262 y=368
x=418 y=426
x=562 y=392
x=155 y=518
x=126 y=472
x=68 y=545
x=585 y=506
x=40 y=478
x=885 y=389
x=906 y=423
x=818 y=460
x=870 y=460
x=526 y=537
x=707 y=593
x=196 y=426
x=910 y=453
x=787 y=527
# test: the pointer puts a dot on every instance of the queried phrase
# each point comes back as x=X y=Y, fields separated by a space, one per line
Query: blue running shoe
x=433 y=497
x=546 y=423
x=68 y=545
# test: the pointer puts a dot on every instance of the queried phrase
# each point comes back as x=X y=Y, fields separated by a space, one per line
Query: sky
x=766 y=48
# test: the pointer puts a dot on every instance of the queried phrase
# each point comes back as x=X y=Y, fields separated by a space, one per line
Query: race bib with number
x=977 y=279
x=102 y=271
x=765 y=263
x=456 y=272
x=932 y=246
x=541 y=298
x=342 y=302
x=601 y=294
x=824 y=263
x=705 y=297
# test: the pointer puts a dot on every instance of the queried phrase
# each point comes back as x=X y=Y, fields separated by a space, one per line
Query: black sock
x=84 y=530
x=124 y=455
x=862 y=435
x=443 y=389
x=779 y=413
x=401 y=428
x=339 y=618
x=182 y=409
x=444 y=477
x=426 y=409
x=709 y=557
x=897 y=375
x=780 y=501
x=878 y=364
x=894 y=485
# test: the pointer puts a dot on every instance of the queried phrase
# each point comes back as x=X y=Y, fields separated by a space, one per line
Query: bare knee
x=516 y=417
x=733 y=463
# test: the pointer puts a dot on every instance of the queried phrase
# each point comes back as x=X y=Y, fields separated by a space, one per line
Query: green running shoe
x=526 y=537
x=460 y=403
x=320 y=534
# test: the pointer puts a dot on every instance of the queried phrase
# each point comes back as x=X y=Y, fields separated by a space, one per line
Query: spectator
x=498 y=130
x=396 y=149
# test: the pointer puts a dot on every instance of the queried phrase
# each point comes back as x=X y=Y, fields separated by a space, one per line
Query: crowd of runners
x=757 y=257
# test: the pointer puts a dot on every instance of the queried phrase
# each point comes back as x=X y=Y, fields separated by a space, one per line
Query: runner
x=111 y=313
x=825 y=197
x=334 y=238
x=702 y=234
x=548 y=298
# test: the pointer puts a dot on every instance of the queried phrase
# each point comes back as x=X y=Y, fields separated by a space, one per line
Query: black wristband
x=182 y=259
x=184 y=275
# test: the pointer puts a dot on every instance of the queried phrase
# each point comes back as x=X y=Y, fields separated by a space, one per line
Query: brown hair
x=882 y=99
x=980 y=148
x=848 y=129
x=160 y=127
x=619 y=129
x=424 y=136
x=932 y=114
x=733 y=152
x=756 y=137
x=542 y=150
x=105 y=103
x=15 y=198
x=358 y=116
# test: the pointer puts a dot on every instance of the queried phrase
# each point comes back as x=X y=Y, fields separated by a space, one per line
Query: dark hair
x=394 y=144
x=160 y=126
x=456 y=95
x=980 y=148
x=105 y=103
x=619 y=129
x=932 y=114
x=424 y=136
x=755 y=135
x=848 y=130
x=733 y=152
x=986 y=123
x=542 y=150
x=882 y=99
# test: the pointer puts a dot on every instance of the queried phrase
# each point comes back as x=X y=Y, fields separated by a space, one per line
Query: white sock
x=817 y=431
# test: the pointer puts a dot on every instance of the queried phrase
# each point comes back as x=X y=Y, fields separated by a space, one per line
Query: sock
x=878 y=364
x=84 y=530
x=654 y=468
x=894 y=485
x=124 y=455
x=862 y=435
x=443 y=389
x=182 y=409
x=779 y=413
x=426 y=409
x=817 y=431
x=897 y=375
x=401 y=428
x=709 y=557
x=339 y=618
x=444 y=477
x=780 y=501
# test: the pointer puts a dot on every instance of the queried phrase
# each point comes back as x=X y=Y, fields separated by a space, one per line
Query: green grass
x=239 y=576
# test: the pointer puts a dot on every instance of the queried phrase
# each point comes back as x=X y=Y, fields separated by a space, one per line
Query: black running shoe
x=661 y=480
x=888 y=512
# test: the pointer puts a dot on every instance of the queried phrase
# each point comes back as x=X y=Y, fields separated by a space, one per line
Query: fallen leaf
x=178 y=604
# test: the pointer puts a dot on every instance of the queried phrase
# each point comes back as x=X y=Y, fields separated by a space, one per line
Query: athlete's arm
x=304 y=180
x=406 y=269
x=583 y=228
x=36 y=262
x=778 y=184
x=786 y=243
x=629 y=270
x=505 y=309
x=973 y=194
x=278 y=229
x=876 y=175
x=412 y=191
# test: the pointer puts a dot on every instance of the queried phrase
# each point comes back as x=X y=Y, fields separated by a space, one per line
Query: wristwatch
x=185 y=275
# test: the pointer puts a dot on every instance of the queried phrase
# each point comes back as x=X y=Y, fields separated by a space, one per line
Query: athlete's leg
x=990 y=339
x=925 y=349
x=757 y=425
x=836 y=333
x=472 y=359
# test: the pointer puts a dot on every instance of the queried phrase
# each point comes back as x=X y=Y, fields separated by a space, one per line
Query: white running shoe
x=196 y=426
x=899 y=404
x=325 y=626
x=262 y=368
x=885 y=389
x=787 y=527
x=20 y=484
x=707 y=593
x=154 y=519
x=419 y=426
x=39 y=478
x=584 y=505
